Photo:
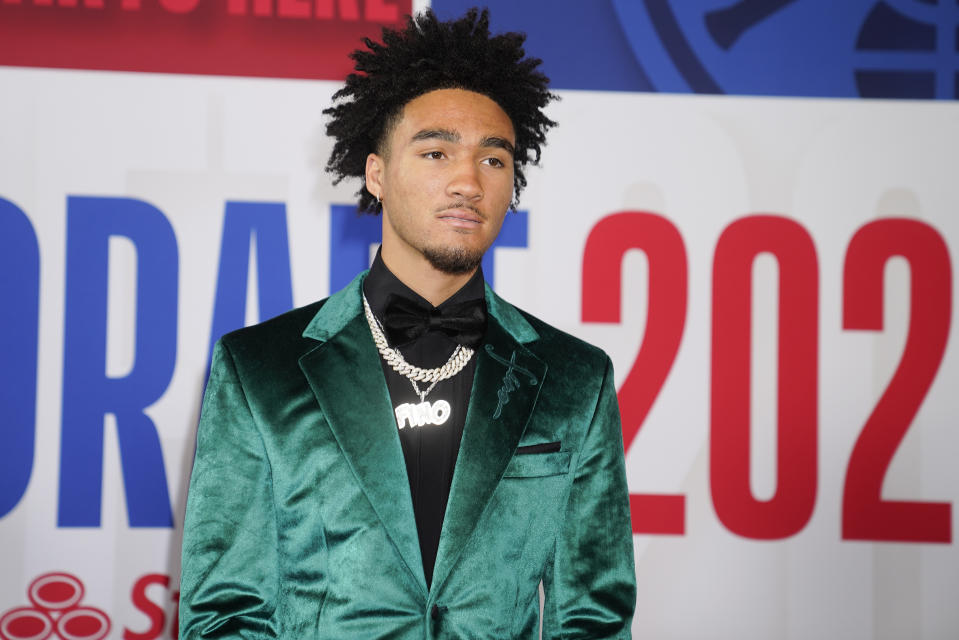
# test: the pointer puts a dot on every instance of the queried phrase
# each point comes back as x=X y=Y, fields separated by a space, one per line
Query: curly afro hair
x=425 y=56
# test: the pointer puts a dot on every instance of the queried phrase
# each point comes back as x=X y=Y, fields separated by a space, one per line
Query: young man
x=413 y=456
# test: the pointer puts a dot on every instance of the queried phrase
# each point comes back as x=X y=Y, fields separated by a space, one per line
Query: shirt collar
x=380 y=283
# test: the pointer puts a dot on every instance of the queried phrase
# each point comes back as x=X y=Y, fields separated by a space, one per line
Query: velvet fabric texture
x=299 y=520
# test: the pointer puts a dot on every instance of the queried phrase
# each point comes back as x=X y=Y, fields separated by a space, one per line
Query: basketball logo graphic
x=859 y=48
x=56 y=612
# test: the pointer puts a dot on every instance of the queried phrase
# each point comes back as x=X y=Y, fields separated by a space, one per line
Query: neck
x=420 y=276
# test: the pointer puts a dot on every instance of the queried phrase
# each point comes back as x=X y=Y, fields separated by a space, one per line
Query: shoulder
x=300 y=329
x=578 y=379
x=554 y=344
x=276 y=336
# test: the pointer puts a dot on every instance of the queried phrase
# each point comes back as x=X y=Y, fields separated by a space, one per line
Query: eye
x=434 y=155
x=494 y=162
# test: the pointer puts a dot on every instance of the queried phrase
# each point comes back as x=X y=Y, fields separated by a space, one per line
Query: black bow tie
x=405 y=320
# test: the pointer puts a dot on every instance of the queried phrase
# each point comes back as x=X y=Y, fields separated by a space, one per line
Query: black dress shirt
x=430 y=450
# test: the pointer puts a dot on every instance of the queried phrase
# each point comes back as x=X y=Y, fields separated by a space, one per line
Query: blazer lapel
x=345 y=374
x=505 y=387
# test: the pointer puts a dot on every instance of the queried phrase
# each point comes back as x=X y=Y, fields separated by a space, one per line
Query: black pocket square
x=543 y=447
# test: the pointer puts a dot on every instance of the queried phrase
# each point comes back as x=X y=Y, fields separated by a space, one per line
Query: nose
x=465 y=181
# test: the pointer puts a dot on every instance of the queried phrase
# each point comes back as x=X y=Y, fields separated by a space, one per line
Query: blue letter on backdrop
x=513 y=233
x=19 y=303
x=88 y=394
x=351 y=235
x=264 y=222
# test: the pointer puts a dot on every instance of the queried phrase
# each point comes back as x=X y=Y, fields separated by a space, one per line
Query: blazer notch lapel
x=506 y=385
x=337 y=311
x=346 y=377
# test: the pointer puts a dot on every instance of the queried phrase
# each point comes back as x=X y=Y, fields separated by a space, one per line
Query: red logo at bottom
x=55 y=613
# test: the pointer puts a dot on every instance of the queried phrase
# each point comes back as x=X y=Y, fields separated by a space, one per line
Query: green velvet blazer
x=300 y=523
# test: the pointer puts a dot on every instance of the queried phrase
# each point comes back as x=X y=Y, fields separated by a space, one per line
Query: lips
x=461 y=216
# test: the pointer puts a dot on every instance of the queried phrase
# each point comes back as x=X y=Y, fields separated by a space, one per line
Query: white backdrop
x=681 y=169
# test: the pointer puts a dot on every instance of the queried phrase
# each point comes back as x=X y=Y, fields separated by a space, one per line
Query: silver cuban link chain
x=459 y=359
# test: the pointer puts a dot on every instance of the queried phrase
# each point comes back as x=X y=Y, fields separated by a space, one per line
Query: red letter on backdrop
x=263 y=8
x=608 y=242
x=381 y=11
x=729 y=450
x=865 y=515
x=153 y=611
x=349 y=10
x=175 y=627
x=293 y=8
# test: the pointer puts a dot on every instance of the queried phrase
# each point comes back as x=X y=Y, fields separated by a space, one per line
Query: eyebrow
x=448 y=135
x=495 y=141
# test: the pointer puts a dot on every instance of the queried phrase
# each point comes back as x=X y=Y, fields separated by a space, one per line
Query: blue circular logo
x=854 y=48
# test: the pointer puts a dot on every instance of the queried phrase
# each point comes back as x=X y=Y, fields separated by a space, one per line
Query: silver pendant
x=423 y=413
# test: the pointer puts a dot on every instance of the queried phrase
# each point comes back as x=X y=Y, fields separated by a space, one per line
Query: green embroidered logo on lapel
x=510 y=381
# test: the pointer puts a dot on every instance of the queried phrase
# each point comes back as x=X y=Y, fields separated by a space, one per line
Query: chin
x=453 y=260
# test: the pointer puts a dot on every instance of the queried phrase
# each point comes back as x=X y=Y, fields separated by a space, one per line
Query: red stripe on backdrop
x=264 y=38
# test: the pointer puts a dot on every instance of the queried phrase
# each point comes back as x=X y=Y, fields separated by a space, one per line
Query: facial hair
x=452 y=260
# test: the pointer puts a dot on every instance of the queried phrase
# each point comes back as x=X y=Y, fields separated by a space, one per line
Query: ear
x=375 y=169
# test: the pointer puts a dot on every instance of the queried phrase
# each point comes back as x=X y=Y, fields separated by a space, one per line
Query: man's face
x=446 y=181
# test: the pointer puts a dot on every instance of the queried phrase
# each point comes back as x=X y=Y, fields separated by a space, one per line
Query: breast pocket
x=538 y=465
